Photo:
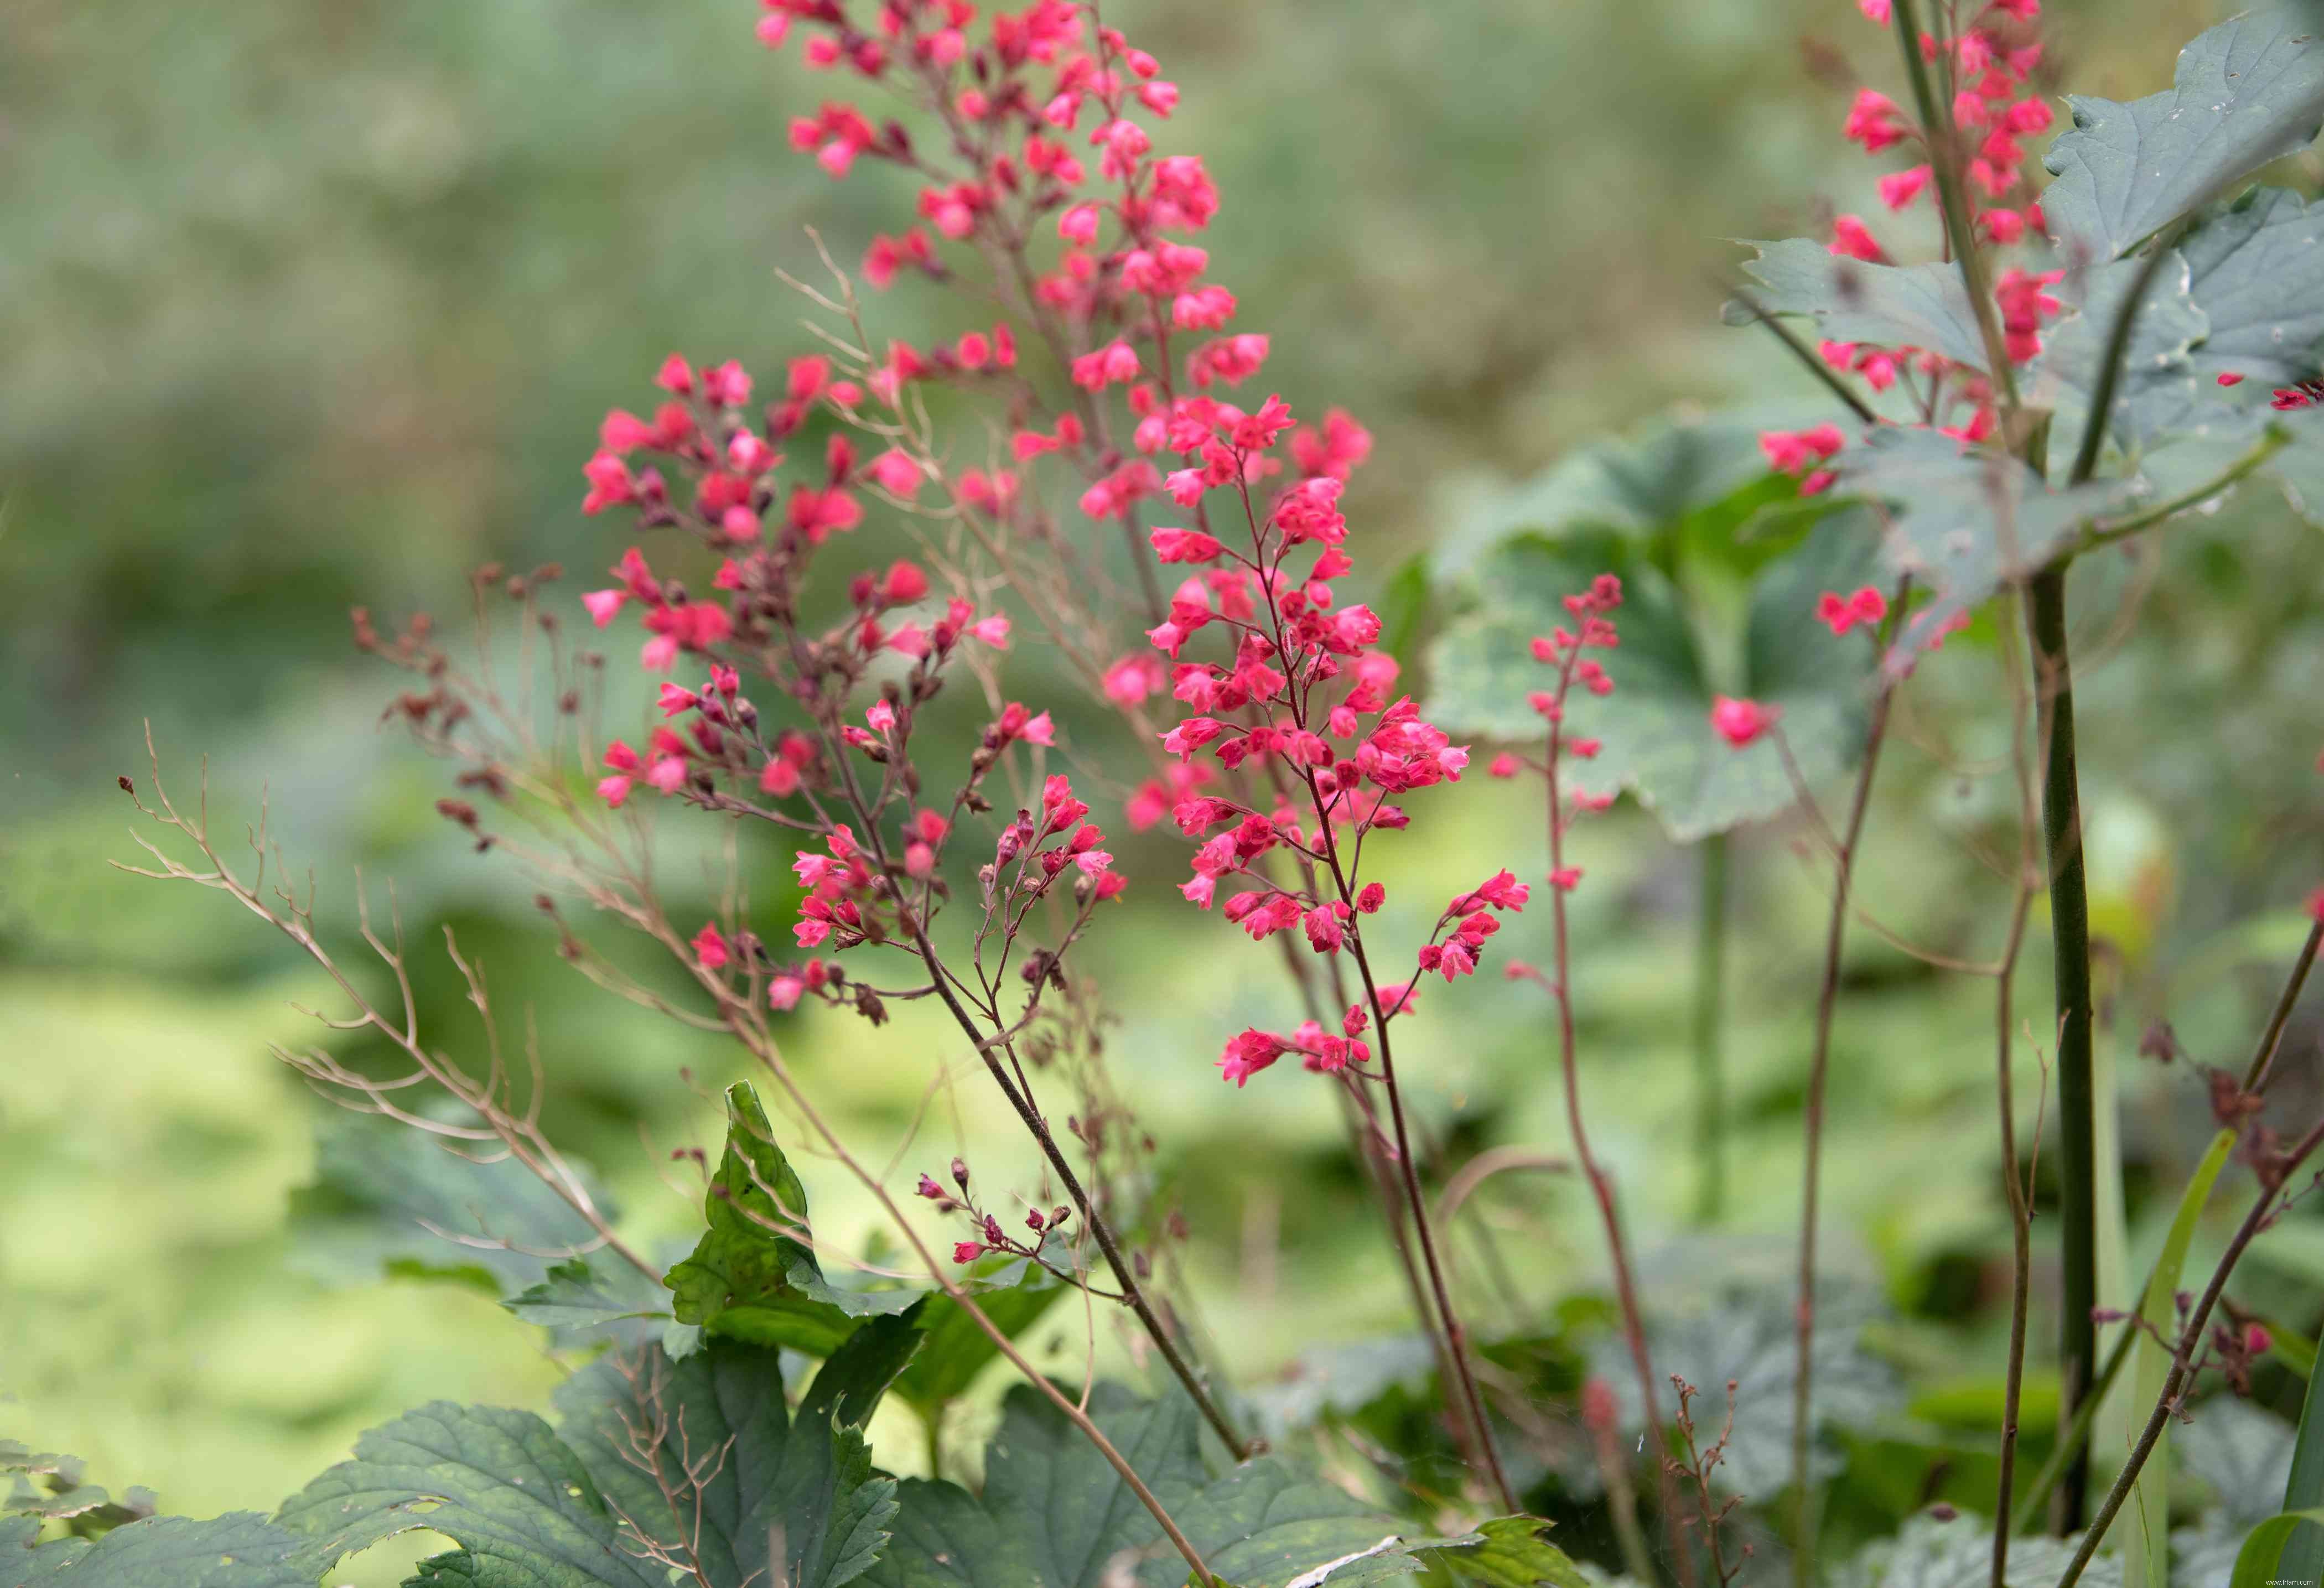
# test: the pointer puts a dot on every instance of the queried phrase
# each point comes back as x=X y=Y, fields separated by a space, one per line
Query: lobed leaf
x=2245 y=93
x=1964 y=522
x=695 y=1461
x=1655 y=727
x=1852 y=300
x=239 y=1550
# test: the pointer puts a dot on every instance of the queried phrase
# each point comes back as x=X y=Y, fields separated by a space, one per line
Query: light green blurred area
x=303 y=307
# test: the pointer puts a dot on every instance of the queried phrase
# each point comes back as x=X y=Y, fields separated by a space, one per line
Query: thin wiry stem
x=1827 y=1003
x=2182 y=1358
x=2021 y=1213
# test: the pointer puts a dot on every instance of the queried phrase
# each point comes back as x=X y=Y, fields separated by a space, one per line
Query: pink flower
x=1248 y=1053
x=881 y=718
x=1874 y=121
x=1741 y=722
x=602 y=604
x=784 y=991
x=1840 y=614
x=1899 y=188
x=966 y=1251
x=994 y=631
x=896 y=473
x=710 y=947
x=1850 y=239
x=1793 y=452
x=2316 y=905
x=1874 y=11
x=1565 y=879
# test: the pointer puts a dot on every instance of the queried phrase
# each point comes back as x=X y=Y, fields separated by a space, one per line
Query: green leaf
x=1014 y=1296
x=1508 y=1552
x=578 y=1299
x=806 y=1478
x=1402 y=604
x=754 y=1274
x=1850 y=300
x=1053 y=1511
x=391 y=1200
x=239 y=1550
x=2303 y=1485
x=498 y=1482
x=1340 y=1380
x=2147 y=1552
x=2243 y=294
x=695 y=1462
x=1263 y=1525
x=2241 y=1452
x=1958 y=1553
x=1748 y=1337
x=2247 y=92
x=1648 y=485
x=52 y=1488
x=1964 y=522
x=2258 y=1562
x=1655 y=727
x=2155 y=394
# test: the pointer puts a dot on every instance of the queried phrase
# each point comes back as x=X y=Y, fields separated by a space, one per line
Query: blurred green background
x=304 y=306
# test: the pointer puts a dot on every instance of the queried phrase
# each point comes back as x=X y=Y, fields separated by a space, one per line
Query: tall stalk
x=1709 y=1030
x=1819 y=1066
x=2070 y=937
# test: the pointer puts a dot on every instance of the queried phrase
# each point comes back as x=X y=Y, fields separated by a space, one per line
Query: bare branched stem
x=1818 y=1065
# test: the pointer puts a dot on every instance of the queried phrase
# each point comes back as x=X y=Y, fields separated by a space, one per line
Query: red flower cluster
x=1989 y=63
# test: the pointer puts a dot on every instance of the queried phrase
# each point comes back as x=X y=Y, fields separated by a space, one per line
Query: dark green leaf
x=1647 y=486
x=389 y=1199
x=1508 y=1552
x=1748 y=1337
x=577 y=1298
x=1958 y=1553
x=640 y=1422
x=1964 y=522
x=1341 y=1380
x=2156 y=390
x=1014 y=1296
x=695 y=1463
x=240 y=1550
x=2243 y=1452
x=2257 y=1563
x=1850 y=300
x=1403 y=604
x=2247 y=92
x=1263 y=1524
x=498 y=1482
x=753 y=1276
x=1054 y=1512
x=1655 y=727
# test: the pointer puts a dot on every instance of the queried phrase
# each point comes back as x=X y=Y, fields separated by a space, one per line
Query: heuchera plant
x=798 y=688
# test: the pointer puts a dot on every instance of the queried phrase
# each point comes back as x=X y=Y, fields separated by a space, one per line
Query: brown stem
x=1819 y=1063
x=2183 y=1359
x=2262 y=1062
x=1634 y=1327
x=1456 y=1346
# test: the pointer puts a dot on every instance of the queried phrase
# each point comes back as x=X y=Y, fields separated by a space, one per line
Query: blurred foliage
x=302 y=307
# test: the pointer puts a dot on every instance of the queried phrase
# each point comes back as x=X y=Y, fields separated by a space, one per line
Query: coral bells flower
x=1741 y=722
x=2023 y=306
x=1248 y=1053
x=1840 y=614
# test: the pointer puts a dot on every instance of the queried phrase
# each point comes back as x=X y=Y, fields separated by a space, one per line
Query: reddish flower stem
x=1818 y=1065
x=1602 y=1188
